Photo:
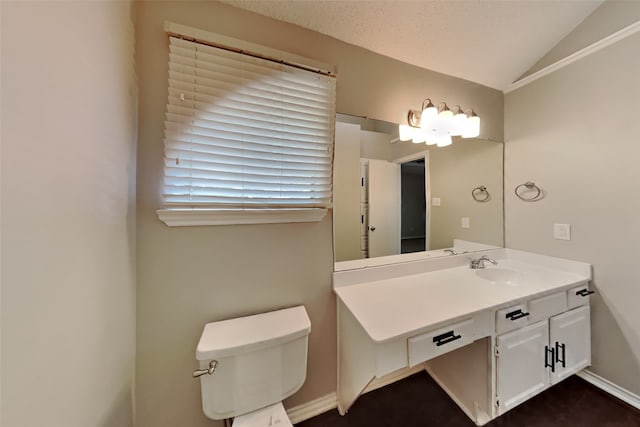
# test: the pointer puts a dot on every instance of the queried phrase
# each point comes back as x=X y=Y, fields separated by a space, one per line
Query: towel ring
x=477 y=194
x=530 y=186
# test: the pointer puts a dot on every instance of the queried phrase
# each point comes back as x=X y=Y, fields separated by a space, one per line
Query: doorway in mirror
x=413 y=206
x=393 y=206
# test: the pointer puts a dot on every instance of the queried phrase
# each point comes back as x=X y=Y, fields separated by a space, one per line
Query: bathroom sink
x=502 y=276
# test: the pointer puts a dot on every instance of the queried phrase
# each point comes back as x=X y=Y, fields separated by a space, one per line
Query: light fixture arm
x=413 y=118
x=430 y=104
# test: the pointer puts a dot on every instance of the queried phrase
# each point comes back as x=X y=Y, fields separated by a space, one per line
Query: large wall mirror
x=396 y=201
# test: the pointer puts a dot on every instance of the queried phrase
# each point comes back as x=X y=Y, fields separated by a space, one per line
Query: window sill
x=200 y=217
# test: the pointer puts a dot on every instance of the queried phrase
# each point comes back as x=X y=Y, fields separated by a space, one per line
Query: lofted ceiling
x=491 y=42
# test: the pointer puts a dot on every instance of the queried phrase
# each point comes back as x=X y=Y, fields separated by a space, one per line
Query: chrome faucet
x=479 y=262
x=454 y=252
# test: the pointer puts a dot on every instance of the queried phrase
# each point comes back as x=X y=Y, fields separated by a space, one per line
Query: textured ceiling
x=491 y=42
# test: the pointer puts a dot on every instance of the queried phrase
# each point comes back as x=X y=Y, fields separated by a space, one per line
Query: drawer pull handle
x=551 y=365
x=515 y=315
x=558 y=359
x=584 y=292
x=446 y=338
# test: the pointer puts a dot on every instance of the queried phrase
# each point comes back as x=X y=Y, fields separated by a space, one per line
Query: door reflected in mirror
x=395 y=201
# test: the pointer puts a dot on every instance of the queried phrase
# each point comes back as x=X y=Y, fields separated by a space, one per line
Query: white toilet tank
x=262 y=359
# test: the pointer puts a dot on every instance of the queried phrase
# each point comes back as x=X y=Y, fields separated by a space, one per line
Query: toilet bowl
x=248 y=365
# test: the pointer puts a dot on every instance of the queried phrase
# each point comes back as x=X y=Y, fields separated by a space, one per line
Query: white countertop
x=400 y=304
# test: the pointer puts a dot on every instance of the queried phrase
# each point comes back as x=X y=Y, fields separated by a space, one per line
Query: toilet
x=248 y=365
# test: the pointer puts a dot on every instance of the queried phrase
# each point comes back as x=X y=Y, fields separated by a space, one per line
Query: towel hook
x=480 y=194
x=530 y=186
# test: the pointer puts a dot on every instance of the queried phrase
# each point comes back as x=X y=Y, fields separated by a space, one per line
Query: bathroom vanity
x=492 y=337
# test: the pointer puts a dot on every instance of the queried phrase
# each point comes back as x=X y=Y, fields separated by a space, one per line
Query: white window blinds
x=245 y=133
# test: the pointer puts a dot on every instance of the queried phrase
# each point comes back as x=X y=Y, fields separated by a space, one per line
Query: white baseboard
x=330 y=401
x=311 y=409
x=611 y=388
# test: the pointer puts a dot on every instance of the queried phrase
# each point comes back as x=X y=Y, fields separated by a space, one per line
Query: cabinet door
x=521 y=372
x=570 y=335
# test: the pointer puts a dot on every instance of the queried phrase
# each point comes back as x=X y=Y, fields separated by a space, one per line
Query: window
x=247 y=139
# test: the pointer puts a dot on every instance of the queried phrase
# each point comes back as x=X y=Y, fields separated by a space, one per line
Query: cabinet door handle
x=584 y=292
x=558 y=358
x=445 y=338
x=551 y=365
x=515 y=315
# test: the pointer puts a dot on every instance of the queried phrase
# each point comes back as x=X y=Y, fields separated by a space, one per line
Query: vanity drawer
x=545 y=307
x=432 y=344
x=511 y=318
x=579 y=295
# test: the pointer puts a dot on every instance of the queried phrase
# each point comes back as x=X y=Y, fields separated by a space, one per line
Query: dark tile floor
x=419 y=401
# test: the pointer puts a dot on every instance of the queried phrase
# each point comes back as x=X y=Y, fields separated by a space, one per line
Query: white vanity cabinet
x=520 y=371
x=490 y=340
x=454 y=335
x=530 y=359
x=570 y=338
x=578 y=296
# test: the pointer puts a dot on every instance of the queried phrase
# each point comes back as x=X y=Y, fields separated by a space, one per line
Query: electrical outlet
x=435 y=201
x=466 y=222
x=562 y=231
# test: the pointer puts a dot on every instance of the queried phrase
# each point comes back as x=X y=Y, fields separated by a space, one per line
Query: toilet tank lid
x=250 y=333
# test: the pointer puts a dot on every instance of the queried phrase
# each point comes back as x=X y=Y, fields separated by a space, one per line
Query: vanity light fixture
x=428 y=114
x=436 y=125
x=406 y=132
x=444 y=112
x=472 y=127
x=459 y=121
x=443 y=140
x=418 y=137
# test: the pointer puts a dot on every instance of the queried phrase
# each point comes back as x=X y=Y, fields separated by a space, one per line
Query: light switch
x=562 y=231
x=435 y=201
x=466 y=223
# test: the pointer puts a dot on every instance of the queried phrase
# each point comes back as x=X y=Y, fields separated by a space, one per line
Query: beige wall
x=192 y=275
x=611 y=16
x=374 y=145
x=575 y=133
x=68 y=212
x=455 y=171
